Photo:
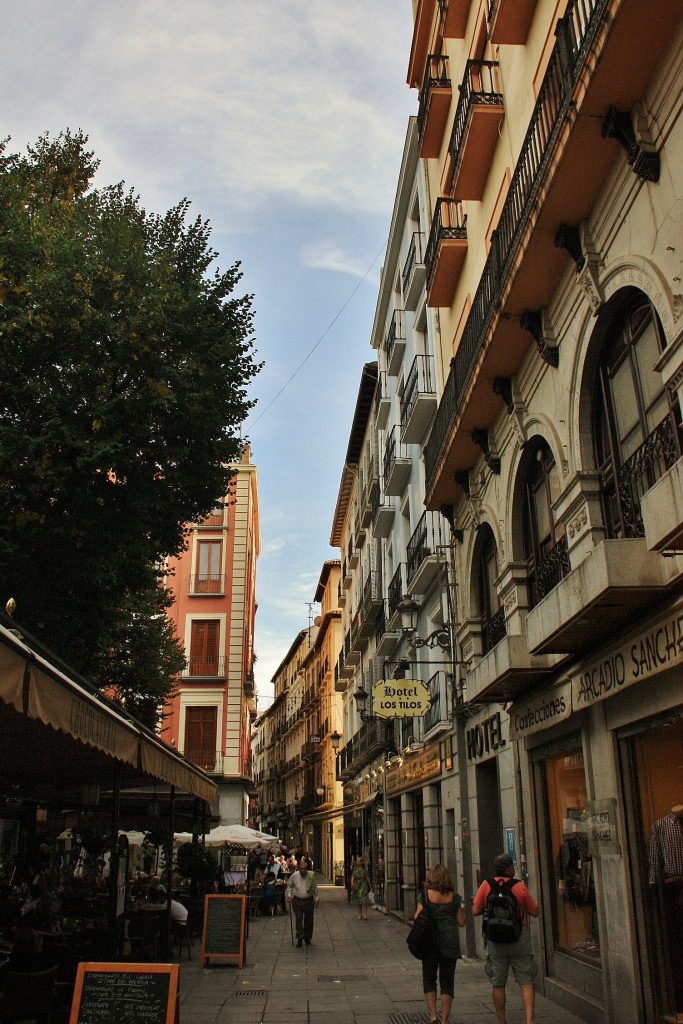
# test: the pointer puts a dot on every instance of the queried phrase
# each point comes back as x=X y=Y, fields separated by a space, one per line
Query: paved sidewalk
x=354 y=972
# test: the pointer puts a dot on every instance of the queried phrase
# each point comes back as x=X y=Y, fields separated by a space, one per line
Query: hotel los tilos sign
x=400 y=698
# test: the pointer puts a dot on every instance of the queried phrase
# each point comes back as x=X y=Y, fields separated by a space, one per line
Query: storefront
x=602 y=753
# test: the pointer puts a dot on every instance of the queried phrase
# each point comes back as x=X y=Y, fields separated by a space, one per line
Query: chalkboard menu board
x=224 y=927
x=125 y=994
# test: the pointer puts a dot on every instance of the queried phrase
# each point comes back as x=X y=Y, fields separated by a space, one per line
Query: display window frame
x=655 y=986
x=558 y=905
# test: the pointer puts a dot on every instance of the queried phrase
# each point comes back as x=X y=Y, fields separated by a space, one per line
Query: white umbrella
x=233 y=835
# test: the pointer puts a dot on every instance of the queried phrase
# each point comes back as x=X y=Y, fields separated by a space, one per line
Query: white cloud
x=327 y=255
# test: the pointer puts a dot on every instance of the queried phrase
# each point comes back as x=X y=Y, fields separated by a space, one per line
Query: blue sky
x=283 y=121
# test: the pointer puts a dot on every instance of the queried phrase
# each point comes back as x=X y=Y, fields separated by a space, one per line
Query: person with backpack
x=507 y=905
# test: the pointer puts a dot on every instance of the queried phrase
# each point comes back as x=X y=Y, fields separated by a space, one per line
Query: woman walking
x=446 y=913
x=360 y=887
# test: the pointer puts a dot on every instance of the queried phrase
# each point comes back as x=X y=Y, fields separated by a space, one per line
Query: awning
x=40 y=694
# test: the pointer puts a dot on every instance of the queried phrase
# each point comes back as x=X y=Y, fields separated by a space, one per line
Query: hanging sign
x=400 y=698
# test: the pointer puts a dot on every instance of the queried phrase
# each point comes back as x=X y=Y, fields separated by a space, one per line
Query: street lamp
x=361 y=697
x=440 y=637
x=335 y=740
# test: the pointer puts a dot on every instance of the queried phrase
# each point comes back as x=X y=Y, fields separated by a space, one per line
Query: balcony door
x=636 y=439
x=545 y=542
x=488 y=601
x=208 y=577
x=204 y=647
x=200 y=736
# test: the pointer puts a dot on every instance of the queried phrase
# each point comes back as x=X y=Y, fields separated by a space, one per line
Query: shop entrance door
x=488 y=816
x=652 y=763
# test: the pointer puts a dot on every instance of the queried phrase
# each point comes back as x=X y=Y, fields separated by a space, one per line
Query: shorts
x=502 y=956
x=445 y=966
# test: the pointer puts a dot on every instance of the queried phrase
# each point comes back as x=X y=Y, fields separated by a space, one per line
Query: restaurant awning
x=57 y=731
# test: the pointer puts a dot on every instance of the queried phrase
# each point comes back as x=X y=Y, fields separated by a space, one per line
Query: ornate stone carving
x=577 y=524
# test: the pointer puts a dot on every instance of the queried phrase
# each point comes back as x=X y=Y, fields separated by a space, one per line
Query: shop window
x=656 y=757
x=570 y=867
x=634 y=426
x=545 y=541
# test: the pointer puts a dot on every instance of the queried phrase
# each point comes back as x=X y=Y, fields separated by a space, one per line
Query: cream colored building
x=553 y=143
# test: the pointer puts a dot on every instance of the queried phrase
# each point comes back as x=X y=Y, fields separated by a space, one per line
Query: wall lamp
x=335 y=740
x=440 y=637
x=361 y=698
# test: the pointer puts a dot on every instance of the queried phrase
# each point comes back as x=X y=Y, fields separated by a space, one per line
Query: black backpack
x=502 y=916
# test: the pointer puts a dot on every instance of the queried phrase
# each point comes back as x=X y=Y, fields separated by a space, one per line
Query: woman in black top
x=447 y=916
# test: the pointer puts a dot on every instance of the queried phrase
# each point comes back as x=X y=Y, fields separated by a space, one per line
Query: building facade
x=214 y=586
x=551 y=138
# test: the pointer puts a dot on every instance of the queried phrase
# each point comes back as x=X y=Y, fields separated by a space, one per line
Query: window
x=200 y=736
x=208 y=579
x=636 y=439
x=488 y=602
x=570 y=864
x=204 y=659
x=545 y=543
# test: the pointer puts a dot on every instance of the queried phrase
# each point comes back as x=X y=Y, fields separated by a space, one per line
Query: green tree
x=125 y=366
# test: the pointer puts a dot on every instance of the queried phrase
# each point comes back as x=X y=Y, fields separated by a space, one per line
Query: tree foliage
x=125 y=366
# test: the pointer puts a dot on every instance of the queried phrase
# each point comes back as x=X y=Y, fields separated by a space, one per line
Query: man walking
x=503 y=955
x=303 y=893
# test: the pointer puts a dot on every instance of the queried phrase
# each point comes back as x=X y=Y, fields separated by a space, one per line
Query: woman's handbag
x=420 y=938
x=371 y=898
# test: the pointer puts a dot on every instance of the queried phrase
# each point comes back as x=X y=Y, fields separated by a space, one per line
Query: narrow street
x=353 y=973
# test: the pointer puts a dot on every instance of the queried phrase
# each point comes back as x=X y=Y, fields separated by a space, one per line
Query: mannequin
x=666 y=872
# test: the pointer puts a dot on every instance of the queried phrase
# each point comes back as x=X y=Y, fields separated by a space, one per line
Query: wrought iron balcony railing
x=449 y=222
x=207 y=583
x=396 y=589
x=420 y=382
x=205 y=665
x=479 y=86
x=495 y=629
x=575 y=33
x=648 y=463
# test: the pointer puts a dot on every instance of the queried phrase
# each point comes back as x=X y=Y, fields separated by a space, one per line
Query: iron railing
x=552 y=568
x=575 y=33
x=435 y=714
x=494 y=630
x=648 y=463
x=420 y=381
x=205 y=665
x=396 y=332
x=479 y=85
x=207 y=583
x=449 y=222
x=435 y=77
x=393 y=449
x=427 y=536
x=414 y=258
x=396 y=589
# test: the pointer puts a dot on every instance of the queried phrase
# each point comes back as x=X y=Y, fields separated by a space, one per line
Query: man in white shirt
x=302 y=893
x=178 y=913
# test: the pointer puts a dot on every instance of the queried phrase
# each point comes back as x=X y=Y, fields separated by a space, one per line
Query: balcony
x=370 y=603
x=371 y=739
x=509 y=20
x=638 y=477
x=507 y=671
x=423 y=559
x=662 y=511
x=310 y=748
x=422 y=31
x=385 y=638
x=341 y=595
x=382 y=513
x=418 y=402
x=202 y=583
x=453 y=18
x=397 y=588
x=395 y=344
x=414 y=271
x=435 y=102
x=598 y=60
x=346 y=575
x=397 y=465
x=382 y=401
x=352 y=556
x=446 y=251
x=351 y=654
x=474 y=135
x=204 y=666
x=612 y=585
x=437 y=713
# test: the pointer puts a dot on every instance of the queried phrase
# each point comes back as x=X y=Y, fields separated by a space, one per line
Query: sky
x=283 y=121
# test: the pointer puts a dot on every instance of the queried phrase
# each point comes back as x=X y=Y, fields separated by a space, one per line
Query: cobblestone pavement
x=354 y=972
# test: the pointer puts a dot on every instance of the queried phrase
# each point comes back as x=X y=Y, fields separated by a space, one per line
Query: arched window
x=545 y=542
x=636 y=436
x=488 y=602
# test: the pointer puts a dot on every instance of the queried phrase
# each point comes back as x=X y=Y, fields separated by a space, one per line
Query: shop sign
x=416 y=768
x=511 y=843
x=541 y=711
x=485 y=738
x=658 y=648
x=400 y=698
x=603 y=827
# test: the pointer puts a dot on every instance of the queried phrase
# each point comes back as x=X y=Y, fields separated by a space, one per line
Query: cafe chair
x=27 y=996
x=182 y=933
x=144 y=935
